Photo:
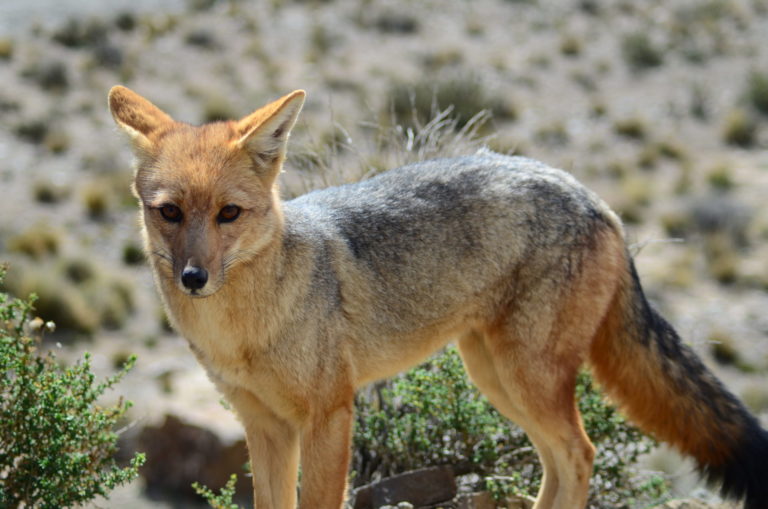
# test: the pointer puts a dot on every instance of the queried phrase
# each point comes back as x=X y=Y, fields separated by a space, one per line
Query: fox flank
x=291 y=306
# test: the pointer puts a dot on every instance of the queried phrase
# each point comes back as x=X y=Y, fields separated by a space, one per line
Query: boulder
x=180 y=453
x=423 y=487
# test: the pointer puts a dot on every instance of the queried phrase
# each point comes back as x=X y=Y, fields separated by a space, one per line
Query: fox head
x=208 y=193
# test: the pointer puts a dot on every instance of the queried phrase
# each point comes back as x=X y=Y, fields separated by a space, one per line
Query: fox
x=291 y=306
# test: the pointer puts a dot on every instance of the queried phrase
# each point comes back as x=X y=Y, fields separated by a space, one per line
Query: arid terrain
x=661 y=107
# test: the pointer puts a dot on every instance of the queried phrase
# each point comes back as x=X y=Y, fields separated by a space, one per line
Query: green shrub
x=56 y=443
x=224 y=499
x=432 y=415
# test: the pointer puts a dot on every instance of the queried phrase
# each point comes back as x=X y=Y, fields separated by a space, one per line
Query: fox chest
x=230 y=355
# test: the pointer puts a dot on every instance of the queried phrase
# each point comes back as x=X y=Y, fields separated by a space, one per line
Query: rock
x=179 y=453
x=419 y=488
x=481 y=500
x=484 y=500
x=695 y=504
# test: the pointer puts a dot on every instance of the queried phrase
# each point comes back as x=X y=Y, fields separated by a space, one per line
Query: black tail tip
x=745 y=475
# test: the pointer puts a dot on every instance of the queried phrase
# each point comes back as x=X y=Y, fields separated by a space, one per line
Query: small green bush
x=57 y=445
x=432 y=415
x=224 y=499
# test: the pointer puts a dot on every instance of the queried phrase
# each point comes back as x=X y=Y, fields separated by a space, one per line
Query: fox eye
x=171 y=213
x=228 y=213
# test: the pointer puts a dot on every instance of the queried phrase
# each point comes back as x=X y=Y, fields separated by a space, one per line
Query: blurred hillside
x=661 y=107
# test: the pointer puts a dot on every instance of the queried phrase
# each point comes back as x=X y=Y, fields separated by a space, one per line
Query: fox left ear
x=141 y=119
x=264 y=133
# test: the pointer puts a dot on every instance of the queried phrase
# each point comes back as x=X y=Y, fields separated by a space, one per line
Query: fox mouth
x=199 y=293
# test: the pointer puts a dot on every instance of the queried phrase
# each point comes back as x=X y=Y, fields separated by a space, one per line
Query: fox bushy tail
x=664 y=388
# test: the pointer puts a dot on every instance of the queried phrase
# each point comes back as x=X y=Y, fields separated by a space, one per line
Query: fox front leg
x=325 y=452
x=273 y=449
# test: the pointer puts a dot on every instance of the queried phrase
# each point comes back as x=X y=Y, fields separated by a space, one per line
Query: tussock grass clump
x=756 y=398
x=640 y=52
x=79 y=270
x=416 y=104
x=723 y=348
x=78 y=33
x=32 y=130
x=217 y=107
x=77 y=293
x=7 y=47
x=739 y=128
x=631 y=127
x=133 y=254
x=720 y=178
x=57 y=141
x=554 y=135
x=390 y=145
x=57 y=298
x=52 y=76
x=672 y=149
x=45 y=191
x=757 y=91
x=201 y=38
x=571 y=45
x=722 y=258
x=126 y=21
x=97 y=198
x=37 y=242
x=636 y=196
x=401 y=23
x=116 y=304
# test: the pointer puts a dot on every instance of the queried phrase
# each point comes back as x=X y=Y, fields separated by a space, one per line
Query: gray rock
x=419 y=487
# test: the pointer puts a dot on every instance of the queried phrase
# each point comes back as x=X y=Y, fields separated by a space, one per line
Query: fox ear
x=135 y=115
x=264 y=133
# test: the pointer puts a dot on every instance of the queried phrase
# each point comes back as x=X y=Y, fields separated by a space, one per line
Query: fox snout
x=194 y=278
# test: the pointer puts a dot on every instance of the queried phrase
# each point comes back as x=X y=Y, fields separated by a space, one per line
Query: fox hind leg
x=480 y=367
x=527 y=359
x=544 y=412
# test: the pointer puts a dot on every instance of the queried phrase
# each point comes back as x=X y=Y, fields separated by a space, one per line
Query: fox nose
x=194 y=278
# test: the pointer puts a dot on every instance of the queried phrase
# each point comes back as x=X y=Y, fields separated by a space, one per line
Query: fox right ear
x=135 y=115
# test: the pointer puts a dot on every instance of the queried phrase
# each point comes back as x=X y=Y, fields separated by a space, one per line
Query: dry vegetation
x=662 y=107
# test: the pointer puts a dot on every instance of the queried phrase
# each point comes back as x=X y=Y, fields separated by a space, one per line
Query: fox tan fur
x=291 y=306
